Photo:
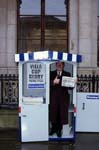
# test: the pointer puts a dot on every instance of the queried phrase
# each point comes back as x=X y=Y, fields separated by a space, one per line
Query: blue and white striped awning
x=47 y=55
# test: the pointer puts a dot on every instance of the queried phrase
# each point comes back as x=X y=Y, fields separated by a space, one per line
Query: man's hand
x=56 y=81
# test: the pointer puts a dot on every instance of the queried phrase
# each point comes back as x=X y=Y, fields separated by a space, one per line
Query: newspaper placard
x=68 y=81
x=35 y=75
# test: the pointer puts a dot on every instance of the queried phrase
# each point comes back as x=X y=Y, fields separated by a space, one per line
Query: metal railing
x=88 y=83
x=9 y=88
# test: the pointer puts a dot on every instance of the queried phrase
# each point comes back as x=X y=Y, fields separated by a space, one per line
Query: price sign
x=35 y=75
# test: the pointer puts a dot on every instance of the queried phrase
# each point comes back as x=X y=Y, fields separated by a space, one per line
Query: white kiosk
x=34 y=97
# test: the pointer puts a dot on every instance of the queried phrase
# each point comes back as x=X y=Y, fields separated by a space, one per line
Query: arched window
x=43 y=25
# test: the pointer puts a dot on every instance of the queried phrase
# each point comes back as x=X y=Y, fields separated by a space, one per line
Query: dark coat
x=59 y=100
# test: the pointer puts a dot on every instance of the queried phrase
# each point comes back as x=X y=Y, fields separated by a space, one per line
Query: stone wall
x=8 y=46
x=83 y=33
x=8 y=35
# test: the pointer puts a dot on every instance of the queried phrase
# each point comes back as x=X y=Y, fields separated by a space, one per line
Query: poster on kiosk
x=47 y=95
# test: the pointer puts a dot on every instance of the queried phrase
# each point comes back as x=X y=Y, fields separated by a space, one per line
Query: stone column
x=83 y=32
x=88 y=34
x=11 y=35
x=3 y=35
x=8 y=36
x=73 y=26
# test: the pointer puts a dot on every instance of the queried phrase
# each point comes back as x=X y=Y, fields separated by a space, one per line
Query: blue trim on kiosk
x=48 y=55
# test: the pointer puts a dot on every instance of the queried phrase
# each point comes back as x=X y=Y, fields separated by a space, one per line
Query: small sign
x=33 y=100
x=92 y=97
x=68 y=81
x=35 y=75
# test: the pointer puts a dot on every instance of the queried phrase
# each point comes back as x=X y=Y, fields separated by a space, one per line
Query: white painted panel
x=34 y=123
x=87 y=119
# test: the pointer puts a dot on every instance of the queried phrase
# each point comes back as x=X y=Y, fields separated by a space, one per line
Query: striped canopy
x=48 y=55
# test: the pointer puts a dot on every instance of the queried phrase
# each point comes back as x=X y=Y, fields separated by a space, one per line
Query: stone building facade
x=82 y=34
x=82 y=40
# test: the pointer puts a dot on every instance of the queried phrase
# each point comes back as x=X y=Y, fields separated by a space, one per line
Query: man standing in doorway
x=59 y=100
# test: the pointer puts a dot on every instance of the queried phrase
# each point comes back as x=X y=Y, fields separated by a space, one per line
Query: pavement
x=83 y=141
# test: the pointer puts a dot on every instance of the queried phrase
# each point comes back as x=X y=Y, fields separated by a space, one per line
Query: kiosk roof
x=48 y=55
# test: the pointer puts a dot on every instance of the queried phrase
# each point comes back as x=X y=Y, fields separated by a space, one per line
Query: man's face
x=59 y=66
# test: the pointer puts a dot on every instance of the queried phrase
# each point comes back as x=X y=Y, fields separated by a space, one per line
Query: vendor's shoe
x=52 y=132
x=59 y=133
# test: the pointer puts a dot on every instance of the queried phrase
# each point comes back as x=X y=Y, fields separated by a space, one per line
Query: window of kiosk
x=69 y=128
x=34 y=80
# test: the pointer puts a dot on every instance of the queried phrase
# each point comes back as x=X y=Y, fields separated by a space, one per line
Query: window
x=43 y=25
